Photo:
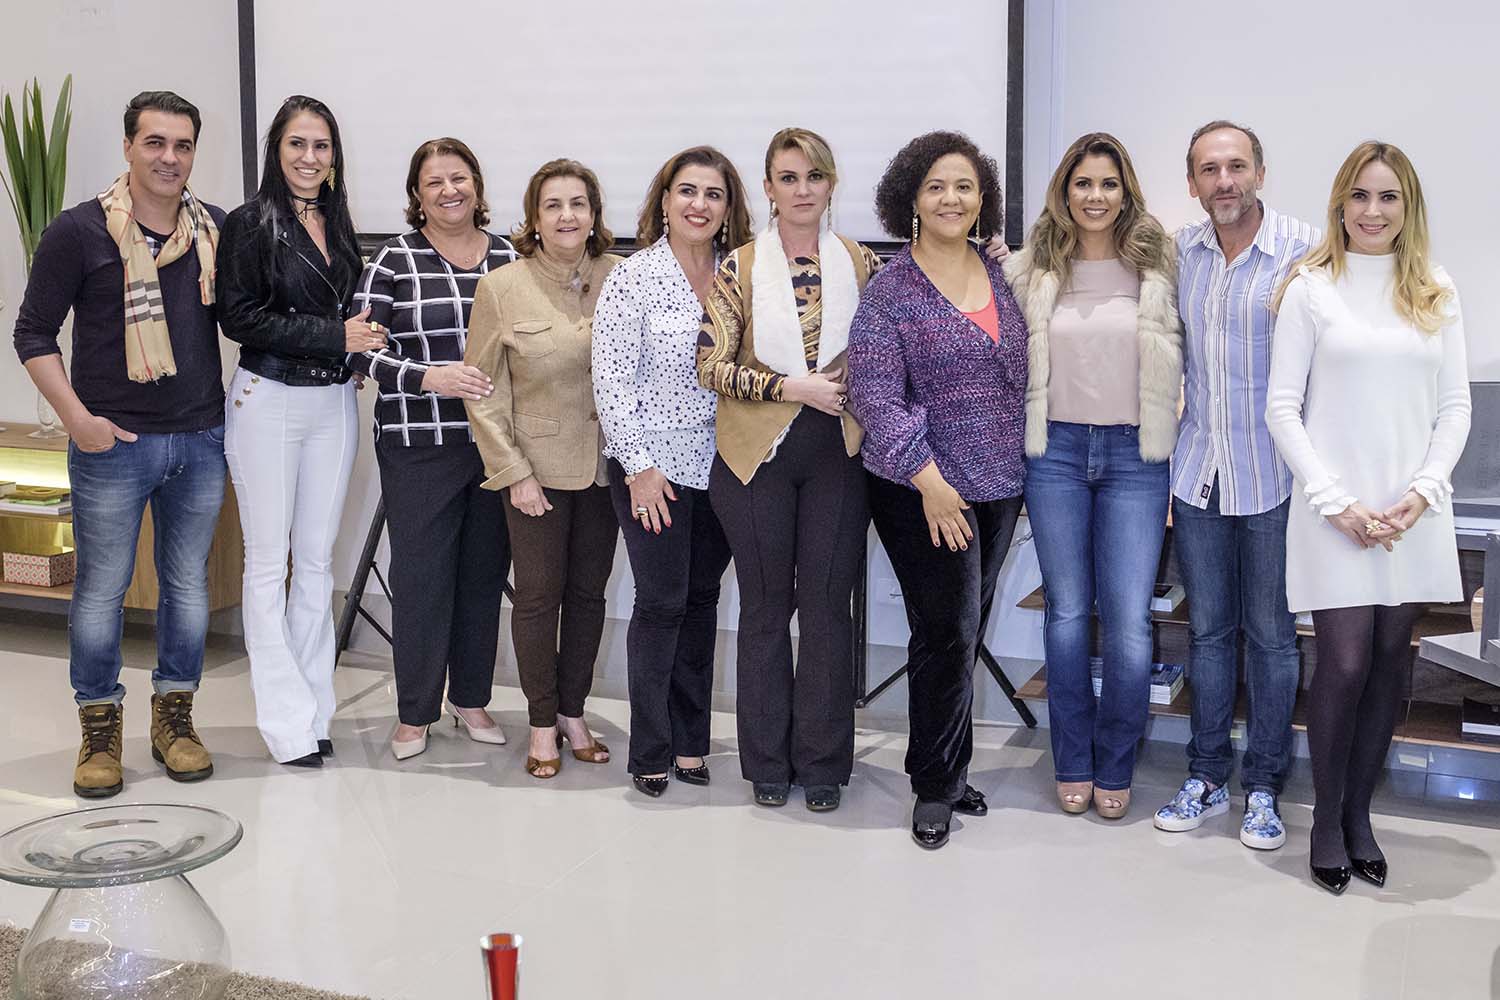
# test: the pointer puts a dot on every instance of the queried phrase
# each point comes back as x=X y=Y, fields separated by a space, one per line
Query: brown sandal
x=1079 y=789
x=533 y=766
x=595 y=753
x=1103 y=795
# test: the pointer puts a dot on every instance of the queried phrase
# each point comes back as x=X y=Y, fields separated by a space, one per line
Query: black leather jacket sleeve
x=289 y=320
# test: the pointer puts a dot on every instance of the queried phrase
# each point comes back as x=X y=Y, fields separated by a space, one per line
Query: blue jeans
x=1098 y=515
x=1234 y=572
x=182 y=477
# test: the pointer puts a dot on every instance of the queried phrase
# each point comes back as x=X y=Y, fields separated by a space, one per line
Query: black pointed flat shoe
x=930 y=824
x=1373 y=872
x=771 y=793
x=972 y=803
x=653 y=787
x=691 y=775
x=325 y=748
x=822 y=798
x=306 y=760
x=1335 y=880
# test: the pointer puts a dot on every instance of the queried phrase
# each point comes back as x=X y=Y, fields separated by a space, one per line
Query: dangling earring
x=665 y=228
x=771 y=221
x=830 y=215
x=333 y=175
x=916 y=227
x=724 y=234
x=421 y=218
x=975 y=234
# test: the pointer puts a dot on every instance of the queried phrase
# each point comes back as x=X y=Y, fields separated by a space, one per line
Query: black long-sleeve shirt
x=77 y=267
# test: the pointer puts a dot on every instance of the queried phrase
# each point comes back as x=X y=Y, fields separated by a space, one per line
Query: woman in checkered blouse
x=450 y=552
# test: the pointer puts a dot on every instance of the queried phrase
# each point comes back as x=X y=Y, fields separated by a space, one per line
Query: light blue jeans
x=1098 y=514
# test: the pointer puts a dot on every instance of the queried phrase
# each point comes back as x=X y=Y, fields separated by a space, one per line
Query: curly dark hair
x=897 y=191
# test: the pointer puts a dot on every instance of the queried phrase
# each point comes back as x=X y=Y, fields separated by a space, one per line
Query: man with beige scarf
x=145 y=409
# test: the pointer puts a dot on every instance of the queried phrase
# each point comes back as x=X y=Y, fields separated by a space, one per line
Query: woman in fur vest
x=1095 y=283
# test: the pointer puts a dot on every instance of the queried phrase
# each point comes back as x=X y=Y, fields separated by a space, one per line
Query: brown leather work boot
x=98 y=774
x=174 y=742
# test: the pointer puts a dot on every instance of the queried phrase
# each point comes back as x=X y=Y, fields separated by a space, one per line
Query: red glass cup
x=502 y=965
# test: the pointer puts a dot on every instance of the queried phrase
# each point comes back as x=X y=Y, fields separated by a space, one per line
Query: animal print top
x=724 y=322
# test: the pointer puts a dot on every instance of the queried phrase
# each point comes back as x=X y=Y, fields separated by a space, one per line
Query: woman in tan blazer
x=531 y=331
x=786 y=484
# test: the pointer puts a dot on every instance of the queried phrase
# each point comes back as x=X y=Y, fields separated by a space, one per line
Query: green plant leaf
x=15 y=158
x=57 y=150
x=35 y=147
x=35 y=164
x=28 y=245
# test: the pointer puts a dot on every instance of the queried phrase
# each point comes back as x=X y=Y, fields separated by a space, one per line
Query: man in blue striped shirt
x=1230 y=488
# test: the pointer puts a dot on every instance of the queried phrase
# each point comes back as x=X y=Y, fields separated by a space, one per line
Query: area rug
x=241 y=986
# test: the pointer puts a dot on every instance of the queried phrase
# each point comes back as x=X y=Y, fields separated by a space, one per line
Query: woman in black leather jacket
x=287 y=265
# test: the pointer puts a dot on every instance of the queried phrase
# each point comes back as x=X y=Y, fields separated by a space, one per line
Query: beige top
x=1094 y=347
x=531 y=331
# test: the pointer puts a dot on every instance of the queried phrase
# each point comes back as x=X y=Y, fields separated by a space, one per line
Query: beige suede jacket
x=531 y=330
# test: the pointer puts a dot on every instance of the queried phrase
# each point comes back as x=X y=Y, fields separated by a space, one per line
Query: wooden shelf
x=43 y=461
x=27 y=515
x=63 y=592
x=1425 y=723
x=1433 y=622
x=15 y=436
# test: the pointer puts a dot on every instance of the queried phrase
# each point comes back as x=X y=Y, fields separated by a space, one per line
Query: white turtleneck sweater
x=1364 y=406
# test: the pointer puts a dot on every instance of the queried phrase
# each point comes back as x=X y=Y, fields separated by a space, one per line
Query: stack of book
x=1166 y=680
x=51 y=500
x=1481 y=722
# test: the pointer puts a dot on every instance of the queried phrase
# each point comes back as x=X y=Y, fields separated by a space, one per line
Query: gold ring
x=1371 y=527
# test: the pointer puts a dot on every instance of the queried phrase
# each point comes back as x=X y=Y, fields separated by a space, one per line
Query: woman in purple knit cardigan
x=937 y=377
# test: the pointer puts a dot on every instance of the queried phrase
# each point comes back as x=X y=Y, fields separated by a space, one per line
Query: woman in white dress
x=1369 y=406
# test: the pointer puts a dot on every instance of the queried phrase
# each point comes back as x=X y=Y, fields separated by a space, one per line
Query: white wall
x=115 y=49
x=622 y=86
x=1313 y=80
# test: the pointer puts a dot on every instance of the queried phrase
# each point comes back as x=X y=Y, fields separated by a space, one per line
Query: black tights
x=1352 y=706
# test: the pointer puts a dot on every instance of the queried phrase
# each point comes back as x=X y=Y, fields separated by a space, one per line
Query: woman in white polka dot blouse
x=658 y=425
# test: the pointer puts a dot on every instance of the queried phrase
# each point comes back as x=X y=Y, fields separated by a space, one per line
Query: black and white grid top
x=425 y=302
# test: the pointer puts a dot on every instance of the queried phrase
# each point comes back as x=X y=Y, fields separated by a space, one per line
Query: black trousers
x=450 y=555
x=670 y=643
x=948 y=597
x=797 y=530
x=563 y=561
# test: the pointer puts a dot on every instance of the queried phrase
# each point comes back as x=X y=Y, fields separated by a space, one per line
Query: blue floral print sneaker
x=1192 y=804
x=1262 y=828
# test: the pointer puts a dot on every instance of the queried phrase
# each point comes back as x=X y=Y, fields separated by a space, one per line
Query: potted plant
x=36 y=171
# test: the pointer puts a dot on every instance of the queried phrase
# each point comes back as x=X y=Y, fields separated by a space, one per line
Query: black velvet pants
x=948 y=597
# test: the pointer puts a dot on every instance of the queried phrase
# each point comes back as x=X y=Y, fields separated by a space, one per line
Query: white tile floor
x=376 y=877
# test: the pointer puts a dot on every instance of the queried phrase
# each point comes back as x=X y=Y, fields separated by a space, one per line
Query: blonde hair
x=1418 y=295
x=1139 y=238
x=812 y=145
